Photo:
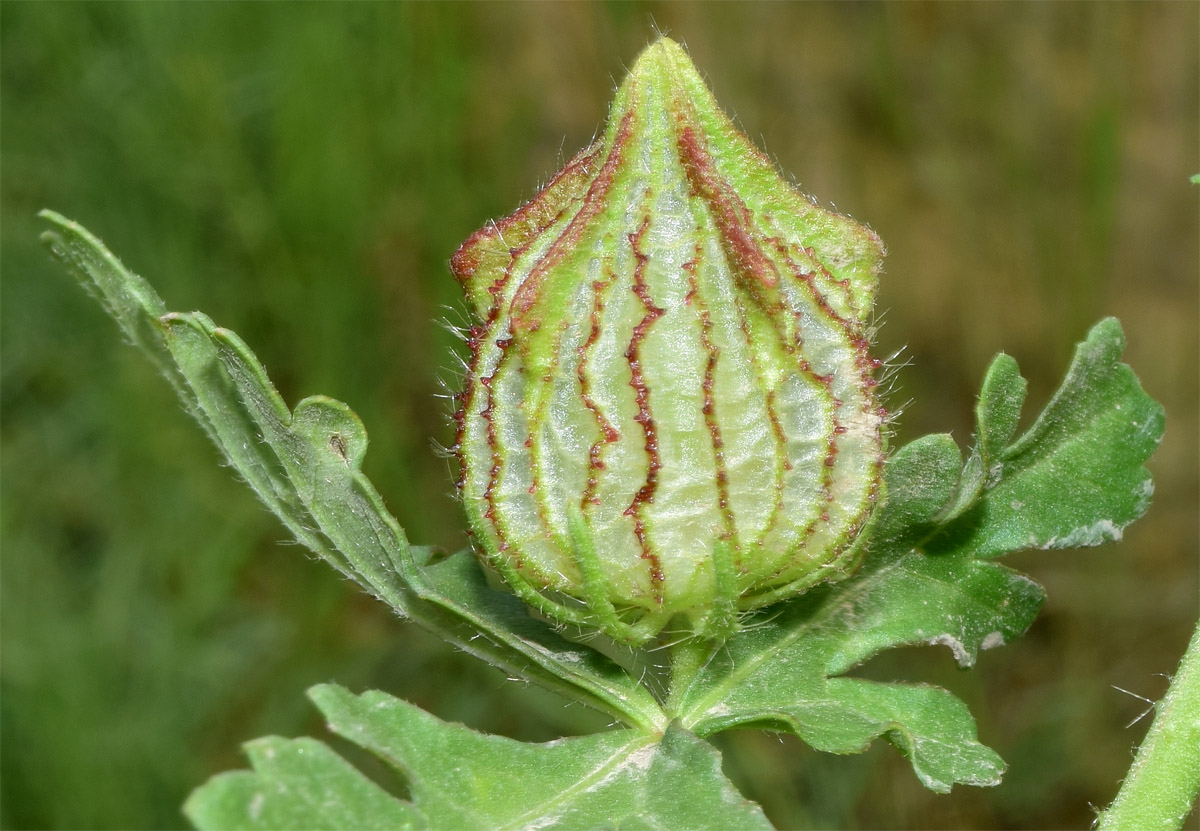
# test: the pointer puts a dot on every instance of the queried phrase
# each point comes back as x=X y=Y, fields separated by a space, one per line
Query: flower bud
x=669 y=410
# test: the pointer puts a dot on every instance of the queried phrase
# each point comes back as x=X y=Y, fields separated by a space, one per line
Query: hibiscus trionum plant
x=673 y=456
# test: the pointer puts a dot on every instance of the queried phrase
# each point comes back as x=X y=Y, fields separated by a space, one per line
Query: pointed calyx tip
x=663 y=54
x=670 y=407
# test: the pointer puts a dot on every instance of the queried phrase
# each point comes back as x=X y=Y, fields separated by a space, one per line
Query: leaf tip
x=1109 y=330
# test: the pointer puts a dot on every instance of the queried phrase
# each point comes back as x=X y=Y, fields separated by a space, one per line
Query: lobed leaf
x=783 y=671
x=298 y=783
x=460 y=779
x=305 y=466
x=996 y=416
x=1076 y=477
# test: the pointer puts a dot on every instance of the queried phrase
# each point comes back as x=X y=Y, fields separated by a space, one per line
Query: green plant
x=1075 y=477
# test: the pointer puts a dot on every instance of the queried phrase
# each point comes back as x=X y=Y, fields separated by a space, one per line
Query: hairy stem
x=688 y=657
x=1163 y=781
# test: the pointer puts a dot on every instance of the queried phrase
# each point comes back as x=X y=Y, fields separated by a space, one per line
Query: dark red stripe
x=525 y=301
x=477 y=337
x=608 y=433
x=465 y=397
x=536 y=215
x=488 y=416
x=730 y=213
x=781 y=469
x=645 y=494
x=709 y=406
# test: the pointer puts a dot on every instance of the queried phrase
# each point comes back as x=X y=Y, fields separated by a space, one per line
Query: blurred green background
x=303 y=172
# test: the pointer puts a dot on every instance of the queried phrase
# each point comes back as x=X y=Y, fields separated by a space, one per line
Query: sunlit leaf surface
x=457 y=778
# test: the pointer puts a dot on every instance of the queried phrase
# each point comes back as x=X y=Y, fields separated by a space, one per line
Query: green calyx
x=670 y=411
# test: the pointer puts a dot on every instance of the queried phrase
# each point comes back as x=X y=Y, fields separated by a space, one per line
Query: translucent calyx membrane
x=669 y=412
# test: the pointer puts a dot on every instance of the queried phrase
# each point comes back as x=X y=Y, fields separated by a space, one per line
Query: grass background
x=303 y=172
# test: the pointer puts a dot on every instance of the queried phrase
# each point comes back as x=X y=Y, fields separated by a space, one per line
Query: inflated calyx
x=669 y=414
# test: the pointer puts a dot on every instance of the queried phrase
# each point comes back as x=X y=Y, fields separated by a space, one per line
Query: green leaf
x=298 y=783
x=305 y=466
x=460 y=779
x=920 y=479
x=999 y=407
x=1077 y=476
x=782 y=671
x=996 y=416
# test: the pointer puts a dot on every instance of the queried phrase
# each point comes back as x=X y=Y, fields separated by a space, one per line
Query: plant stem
x=688 y=657
x=1164 y=779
